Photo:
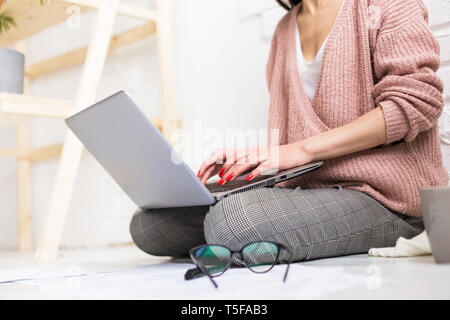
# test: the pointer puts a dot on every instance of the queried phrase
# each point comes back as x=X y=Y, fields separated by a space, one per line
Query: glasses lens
x=214 y=258
x=260 y=256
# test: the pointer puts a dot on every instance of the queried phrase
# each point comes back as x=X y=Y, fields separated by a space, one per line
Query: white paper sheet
x=166 y=281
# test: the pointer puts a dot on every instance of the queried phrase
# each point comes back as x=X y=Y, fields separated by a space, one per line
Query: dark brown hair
x=292 y=3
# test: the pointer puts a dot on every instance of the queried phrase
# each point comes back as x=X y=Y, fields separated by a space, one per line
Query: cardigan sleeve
x=406 y=59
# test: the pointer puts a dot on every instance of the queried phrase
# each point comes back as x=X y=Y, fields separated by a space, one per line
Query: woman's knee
x=237 y=220
x=168 y=232
x=144 y=232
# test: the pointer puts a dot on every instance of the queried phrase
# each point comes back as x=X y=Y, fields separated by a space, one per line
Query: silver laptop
x=141 y=161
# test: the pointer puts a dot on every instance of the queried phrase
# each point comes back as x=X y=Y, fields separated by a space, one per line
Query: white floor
x=126 y=273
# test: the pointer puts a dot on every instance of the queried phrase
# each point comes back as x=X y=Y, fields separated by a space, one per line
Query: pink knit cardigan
x=379 y=53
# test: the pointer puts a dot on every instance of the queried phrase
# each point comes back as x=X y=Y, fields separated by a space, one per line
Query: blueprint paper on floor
x=166 y=281
x=45 y=272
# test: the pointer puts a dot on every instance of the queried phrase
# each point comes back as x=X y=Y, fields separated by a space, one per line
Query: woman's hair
x=292 y=3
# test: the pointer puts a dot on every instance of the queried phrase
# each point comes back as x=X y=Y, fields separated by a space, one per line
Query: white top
x=309 y=72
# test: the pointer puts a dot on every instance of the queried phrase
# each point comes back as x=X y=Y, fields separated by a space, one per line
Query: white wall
x=221 y=53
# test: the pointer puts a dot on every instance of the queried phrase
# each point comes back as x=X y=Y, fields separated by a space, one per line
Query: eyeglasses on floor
x=214 y=260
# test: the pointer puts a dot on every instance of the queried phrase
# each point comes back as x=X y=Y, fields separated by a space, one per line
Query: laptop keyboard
x=235 y=184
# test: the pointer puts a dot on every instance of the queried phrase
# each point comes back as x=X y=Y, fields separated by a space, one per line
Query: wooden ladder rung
x=78 y=56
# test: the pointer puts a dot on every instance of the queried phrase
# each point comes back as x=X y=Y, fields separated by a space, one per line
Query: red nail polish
x=249 y=177
x=220 y=182
x=230 y=176
x=198 y=173
x=221 y=172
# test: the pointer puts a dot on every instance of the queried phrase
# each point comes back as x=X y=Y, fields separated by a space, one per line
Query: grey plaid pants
x=312 y=223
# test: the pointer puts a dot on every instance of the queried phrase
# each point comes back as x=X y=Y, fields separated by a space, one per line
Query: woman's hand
x=366 y=132
x=219 y=162
x=260 y=159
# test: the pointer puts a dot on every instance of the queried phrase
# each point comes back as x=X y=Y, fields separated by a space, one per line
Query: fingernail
x=249 y=177
x=220 y=182
x=198 y=173
x=230 y=176
x=221 y=172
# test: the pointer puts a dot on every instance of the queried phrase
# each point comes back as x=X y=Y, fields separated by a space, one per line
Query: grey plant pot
x=12 y=69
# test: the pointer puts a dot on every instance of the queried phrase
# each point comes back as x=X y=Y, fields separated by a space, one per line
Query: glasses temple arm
x=193 y=273
x=286 y=272
x=288 y=261
x=203 y=269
